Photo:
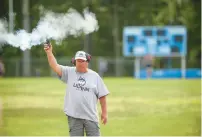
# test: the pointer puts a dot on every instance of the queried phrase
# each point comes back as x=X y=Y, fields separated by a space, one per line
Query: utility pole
x=11 y=16
x=11 y=29
x=87 y=37
x=116 y=38
x=26 y=26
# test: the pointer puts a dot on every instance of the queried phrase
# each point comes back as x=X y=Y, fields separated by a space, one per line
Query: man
x=102 y=66
x=2 y=69
x=84 y=89
x=148 y=62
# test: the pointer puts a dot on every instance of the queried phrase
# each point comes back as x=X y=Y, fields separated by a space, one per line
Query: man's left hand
x=104 y=118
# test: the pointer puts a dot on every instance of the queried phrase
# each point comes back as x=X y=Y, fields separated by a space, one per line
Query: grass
x=34 y=106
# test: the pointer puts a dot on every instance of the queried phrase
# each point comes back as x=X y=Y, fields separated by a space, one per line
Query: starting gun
x=48 y=42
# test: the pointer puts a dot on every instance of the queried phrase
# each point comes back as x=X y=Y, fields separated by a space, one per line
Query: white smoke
x=56 y=26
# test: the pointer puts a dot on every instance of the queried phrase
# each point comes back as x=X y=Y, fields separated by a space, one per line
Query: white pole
x=183 y=66
x=137 y=67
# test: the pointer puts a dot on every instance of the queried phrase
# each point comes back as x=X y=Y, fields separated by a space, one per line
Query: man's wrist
x=49 y=53
x=104 y=112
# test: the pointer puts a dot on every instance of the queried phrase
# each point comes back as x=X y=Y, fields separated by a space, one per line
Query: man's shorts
x=78 y=126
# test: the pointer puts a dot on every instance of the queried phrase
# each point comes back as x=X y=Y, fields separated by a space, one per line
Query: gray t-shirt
x=82 y=93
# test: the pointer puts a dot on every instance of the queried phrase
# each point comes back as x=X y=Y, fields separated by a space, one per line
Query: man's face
x=81 y=64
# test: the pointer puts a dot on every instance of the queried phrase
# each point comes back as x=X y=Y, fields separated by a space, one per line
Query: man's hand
x=48 y=48
x=104 y=118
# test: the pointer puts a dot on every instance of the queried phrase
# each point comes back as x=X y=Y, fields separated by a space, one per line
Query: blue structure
x=171 y=73
x=166 y=41
x=158 y=41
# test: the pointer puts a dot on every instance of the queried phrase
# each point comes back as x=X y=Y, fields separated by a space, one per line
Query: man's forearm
x=103 y=103
x=52 y=61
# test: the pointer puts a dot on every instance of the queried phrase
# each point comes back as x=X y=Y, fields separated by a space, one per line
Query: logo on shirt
x=80 y=84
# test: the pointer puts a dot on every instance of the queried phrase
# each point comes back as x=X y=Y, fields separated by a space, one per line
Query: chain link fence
x=105 y=66
x=40 y=67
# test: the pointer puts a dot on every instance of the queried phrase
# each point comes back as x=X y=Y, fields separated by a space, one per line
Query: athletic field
x=34 y=106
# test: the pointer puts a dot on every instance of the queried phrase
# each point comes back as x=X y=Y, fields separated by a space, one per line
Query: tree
x=182 y=12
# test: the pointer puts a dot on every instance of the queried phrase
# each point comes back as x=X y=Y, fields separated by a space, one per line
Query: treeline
x=112 y=16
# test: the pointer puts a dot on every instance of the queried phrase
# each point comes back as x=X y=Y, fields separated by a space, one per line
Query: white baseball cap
x=80 y=55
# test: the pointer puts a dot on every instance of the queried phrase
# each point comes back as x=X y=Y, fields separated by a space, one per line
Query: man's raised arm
x=51 y=59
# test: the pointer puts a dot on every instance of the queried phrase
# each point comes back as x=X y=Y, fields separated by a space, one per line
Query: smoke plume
x=55 y=26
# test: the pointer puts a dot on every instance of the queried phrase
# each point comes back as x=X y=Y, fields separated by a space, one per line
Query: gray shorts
x=78 y=126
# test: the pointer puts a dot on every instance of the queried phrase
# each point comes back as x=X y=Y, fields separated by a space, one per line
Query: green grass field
x=34 y=106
